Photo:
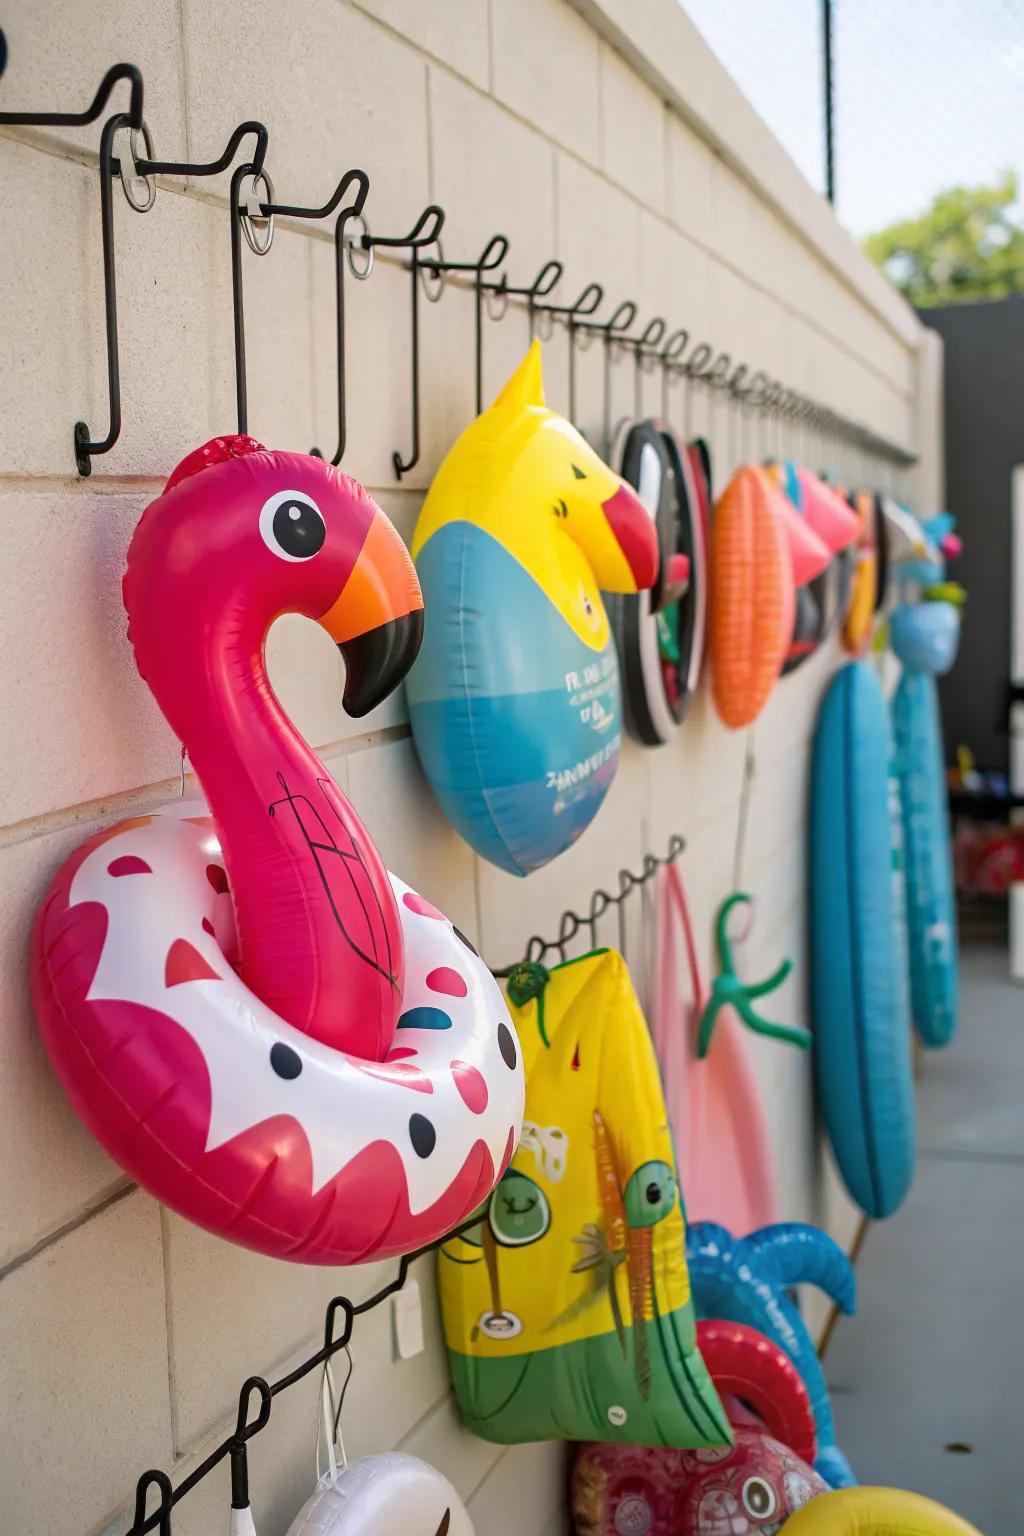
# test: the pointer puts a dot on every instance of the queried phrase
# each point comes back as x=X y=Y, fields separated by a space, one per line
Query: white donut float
x=232 y=1116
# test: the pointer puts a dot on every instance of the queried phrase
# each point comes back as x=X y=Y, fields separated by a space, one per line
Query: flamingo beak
x=377 y=620
x=635 y=534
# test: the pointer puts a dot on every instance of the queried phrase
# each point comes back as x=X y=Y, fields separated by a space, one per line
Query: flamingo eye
x=292 y=525
x=759 y=1498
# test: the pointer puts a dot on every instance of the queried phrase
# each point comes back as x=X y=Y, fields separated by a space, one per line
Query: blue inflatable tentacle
x=744 y=1279
x=802 y=1255
x=832 y=1465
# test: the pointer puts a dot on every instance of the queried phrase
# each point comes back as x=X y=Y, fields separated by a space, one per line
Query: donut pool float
x=877 y=1512
x=276 y=1038
x=661 y=633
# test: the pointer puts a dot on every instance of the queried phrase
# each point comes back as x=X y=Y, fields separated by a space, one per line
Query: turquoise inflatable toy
x=752 y=1279
x=514 y=701
x=858 y=954
x=931 y=904
x=925 y=635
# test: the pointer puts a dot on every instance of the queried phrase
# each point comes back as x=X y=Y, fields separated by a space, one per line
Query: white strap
x=325 y=1432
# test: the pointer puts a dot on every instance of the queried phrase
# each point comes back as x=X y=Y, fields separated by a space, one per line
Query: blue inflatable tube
x=858 y=956
x=748 y=1280
x=931 y=906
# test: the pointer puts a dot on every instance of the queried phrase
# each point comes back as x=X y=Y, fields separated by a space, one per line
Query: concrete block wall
x=598 y=132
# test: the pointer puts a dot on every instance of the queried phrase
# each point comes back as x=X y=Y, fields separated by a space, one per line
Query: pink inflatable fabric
x=724 y=1153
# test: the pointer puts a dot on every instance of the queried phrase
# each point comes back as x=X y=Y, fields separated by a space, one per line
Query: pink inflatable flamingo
x=286 y=1044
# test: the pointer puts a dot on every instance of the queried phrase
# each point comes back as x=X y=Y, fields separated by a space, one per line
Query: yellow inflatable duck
x=567 y=1312
x=514 y=700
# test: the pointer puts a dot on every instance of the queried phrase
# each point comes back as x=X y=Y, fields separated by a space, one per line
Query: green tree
x=968 y=245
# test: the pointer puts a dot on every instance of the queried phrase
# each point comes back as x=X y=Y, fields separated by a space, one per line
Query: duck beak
x=377 y=621
x=636 y=536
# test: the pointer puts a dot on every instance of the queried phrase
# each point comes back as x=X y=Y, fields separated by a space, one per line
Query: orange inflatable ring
x=752 y=595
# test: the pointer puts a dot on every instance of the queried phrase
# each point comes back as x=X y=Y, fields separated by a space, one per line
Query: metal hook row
x=126 y=151
x=254 y=1404
x=572 y=923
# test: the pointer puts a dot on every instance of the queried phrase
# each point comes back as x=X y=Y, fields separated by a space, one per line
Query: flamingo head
x=242 y=535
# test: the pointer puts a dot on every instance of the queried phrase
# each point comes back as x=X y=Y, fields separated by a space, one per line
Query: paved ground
x=935 y=1356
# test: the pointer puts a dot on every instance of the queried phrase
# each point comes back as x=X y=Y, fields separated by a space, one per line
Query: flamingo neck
x=318 y=930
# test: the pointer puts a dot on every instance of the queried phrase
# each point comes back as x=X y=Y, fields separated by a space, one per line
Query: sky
x=929 y=93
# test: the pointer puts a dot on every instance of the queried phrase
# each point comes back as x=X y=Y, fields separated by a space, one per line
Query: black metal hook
x=671 y=360
x=575 y=316
x=490 y=258
x=213 y=167
x=425 y=232
x=544 y=283
x=698 y=364
x=645 y=348
x=571 y=923
x=113 y=76
x=611 y=330
x=84 y=447
x=269 y=208
x=161 y=1516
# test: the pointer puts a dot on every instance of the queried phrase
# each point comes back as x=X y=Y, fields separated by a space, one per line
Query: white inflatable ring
x=231 y=1116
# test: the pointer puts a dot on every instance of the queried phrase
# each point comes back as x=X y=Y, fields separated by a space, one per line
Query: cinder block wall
x=602 y=133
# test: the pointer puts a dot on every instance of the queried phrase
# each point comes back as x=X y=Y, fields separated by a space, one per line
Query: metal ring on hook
x=360 y=241
x=251 y=215
x=496 y=299
x=127 y=156
x=543 y=323
x=432 y=277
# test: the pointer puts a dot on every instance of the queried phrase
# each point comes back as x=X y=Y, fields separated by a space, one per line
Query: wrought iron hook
x=575 y=316
x=424 y=233
x=543 y=284
x=268 y=208
x=671 y=359
x=490 y=258
x=114 y=74
x=645 y=348
x=611 y=331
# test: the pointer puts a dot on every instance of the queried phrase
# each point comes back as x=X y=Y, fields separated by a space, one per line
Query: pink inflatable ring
x=285 y=1044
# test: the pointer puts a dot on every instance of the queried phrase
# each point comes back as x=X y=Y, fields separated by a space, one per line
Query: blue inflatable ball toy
x=925 y=636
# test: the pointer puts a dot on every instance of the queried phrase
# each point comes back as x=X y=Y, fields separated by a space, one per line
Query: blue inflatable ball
x=925 y=636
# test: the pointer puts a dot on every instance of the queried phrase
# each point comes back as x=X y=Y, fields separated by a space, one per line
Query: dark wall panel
x=984 y=399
